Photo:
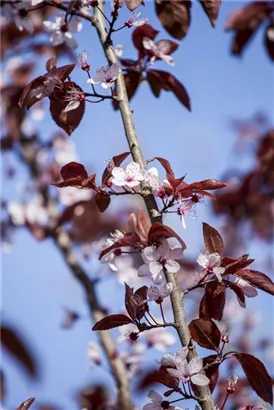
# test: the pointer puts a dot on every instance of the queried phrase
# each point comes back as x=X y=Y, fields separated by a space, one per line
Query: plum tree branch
x=63 y=244
x=205 y=399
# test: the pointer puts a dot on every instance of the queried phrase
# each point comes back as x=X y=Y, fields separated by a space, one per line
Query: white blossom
x=156 y=401
x=133 y=20
x=94 y=353
x=186 y=372
x=185 y=208
x=159 y=291
x=131 y=176
x=157 y=51
x=211 y=264
x=61 y=31
x=160 y=338
x=248 y=289
x=159 y=258
x=106 y=76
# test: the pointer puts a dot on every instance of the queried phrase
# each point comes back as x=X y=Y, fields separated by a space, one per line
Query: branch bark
x=177 y=301
x=63 y=244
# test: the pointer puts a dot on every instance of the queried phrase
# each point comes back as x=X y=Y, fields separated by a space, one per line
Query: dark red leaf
x=257 y=375
x=112 y=321
x=213 y=302
x=26 y=404
x=130 y=307
x=212 y=371
x=117 y=161
x=238 y=265
x=67 y=120
x=208 y=184
x=205 y=333
x=132 y=81
x=155 y=82
x=159 y=231
x=102 y=201
x=211 y=8
x=51 y=63
x=168 y=82
x=212 y=239
x=73 y=170
x=29 y=95
x=159 y=376
x=240 y=41
x=166 y=165
x=133 y=4
x=129 y=239
x=237 y=290
x=70 y=8
x=139 y=33
x=167 y=46
x=269 y=41
x=61 y=73
x=248 y=16
x=257 y=279
x=174 y=16
x=12 y=341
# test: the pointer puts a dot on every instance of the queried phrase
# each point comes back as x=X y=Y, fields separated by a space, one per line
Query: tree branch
x=63 y=244
x=123 y=104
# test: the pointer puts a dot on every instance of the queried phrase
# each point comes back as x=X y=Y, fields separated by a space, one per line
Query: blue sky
x=36 y=284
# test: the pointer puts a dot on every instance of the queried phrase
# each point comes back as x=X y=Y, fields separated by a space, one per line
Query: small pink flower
x=190 y=371
x=154 y=181
x=211 y=264
x=133 y=20
x=131 y=176
x=158 y=402
x=185 y=208
x=231 y=383
x=159 y=292
x=74 y=96
x=106 y=76
x=157 y=51
x=83 y=61
x=159 y=258
x=61 y=31
x=248 y=290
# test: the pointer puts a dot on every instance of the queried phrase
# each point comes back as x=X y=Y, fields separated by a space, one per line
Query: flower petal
x=172 y=266
x=200 y=379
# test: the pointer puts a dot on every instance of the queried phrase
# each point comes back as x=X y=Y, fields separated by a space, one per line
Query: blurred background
x=226 y=136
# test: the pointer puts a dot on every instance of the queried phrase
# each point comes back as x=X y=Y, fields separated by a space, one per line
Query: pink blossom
x=231 y=383
x=83 y=61
x=74 y=96
x=61 y=31
x=154 y=181
x=159 y=258
x=248 y=289
x=159 y=292
x=157 y=51
x=185 y=208
x=111 y=256
x=106 y=76
x=161 y=339
x=131 y=176
x=133 y=20
x=94 y=353
x=211 y=264
x=189 y=371
x=158 y=402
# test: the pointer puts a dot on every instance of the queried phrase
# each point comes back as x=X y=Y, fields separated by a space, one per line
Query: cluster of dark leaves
x=137 y=71
x=136 y=306
x=246 y=21
x=206 y=333
x=213 y=301
x=250 y=200
x=39 y=87
x=175 y=16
